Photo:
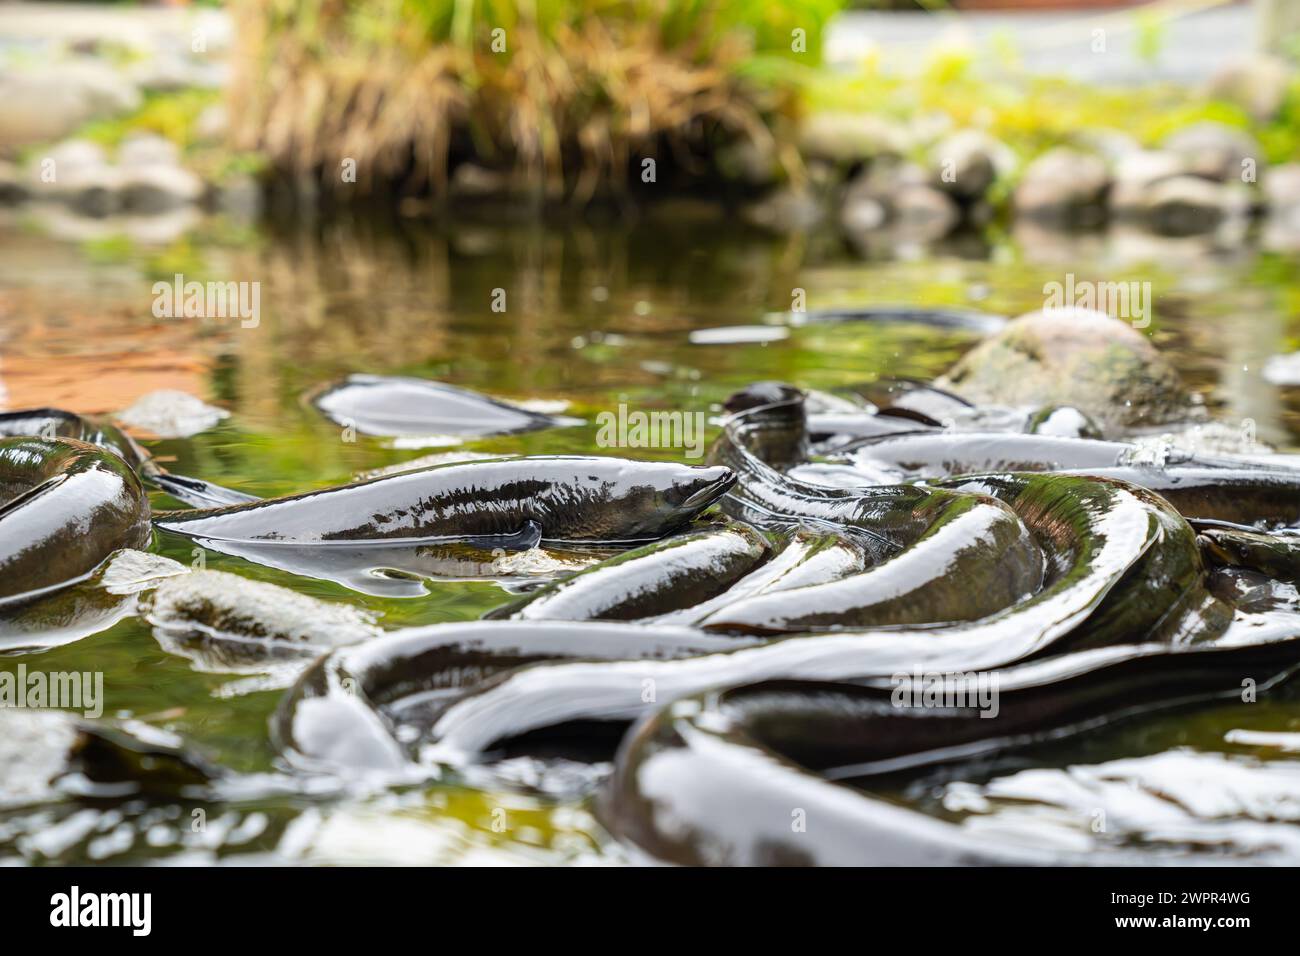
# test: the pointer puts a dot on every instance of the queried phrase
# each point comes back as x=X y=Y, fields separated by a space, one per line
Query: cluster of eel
x=815 y=608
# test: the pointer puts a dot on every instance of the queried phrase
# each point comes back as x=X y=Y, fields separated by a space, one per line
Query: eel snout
x=705 y=485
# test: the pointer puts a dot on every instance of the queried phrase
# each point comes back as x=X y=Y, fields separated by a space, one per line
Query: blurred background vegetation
x=565 y=94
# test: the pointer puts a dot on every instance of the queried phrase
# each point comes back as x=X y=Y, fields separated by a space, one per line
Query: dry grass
x=585 y=90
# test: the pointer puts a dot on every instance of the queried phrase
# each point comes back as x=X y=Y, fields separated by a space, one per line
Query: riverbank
x=118 y=123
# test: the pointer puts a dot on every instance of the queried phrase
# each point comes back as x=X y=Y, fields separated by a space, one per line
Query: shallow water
x=594 y=317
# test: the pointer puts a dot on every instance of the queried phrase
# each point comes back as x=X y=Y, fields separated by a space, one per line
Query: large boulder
x=1064 y=186
x=1078 y=357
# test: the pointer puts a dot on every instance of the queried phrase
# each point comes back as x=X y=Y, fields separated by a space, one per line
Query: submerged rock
x=46 y=755
x=168 y=413
x=1079 y=357
x=222 y=605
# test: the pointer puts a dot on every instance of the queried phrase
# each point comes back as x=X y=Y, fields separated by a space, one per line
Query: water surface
x=595 y=316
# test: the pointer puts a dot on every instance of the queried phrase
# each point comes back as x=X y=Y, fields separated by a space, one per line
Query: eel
x=65 y=506
x=1123 y=566
x=1277 y=555
x=1244 y=495
x=973 y=561
x=56 y=423
x=383 y=535
x=93 y=604
x=668 y=575
x=340 y=714
x=571 y=498
x=394 y=406
x=963 y=453
x=719 y=776
x=805 y=557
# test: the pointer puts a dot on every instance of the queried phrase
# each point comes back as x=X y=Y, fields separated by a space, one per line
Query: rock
x=1186 y=206
x=1283 y=369
x=1217 y=151
x=48 y=755
x=895 y=197
x=472 y=181
x=76 y=173
x=863 y=212
x=1063 y=185
x=240 y=198
x=212 y=124
x=1109 y=143
x=1259 y=85
x=966 y=164
x=147 y=149
x=13 y=189
x=868 y=201
x=171 y=414
x=849 y=138
x=158 y=188
x=1077 y=357
x=70 y=156
x=159 y=229
x=920 y=212
x=1282 y=196
x=171 y=72
x=1135 y=173
x=1282 y=185
x=225 y=606
x=91 y=191
x=51 y=101
x=752 y=161
x=787 y=209
x=1063 y=421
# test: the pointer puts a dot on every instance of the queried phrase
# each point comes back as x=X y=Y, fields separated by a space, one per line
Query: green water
x=594 y=317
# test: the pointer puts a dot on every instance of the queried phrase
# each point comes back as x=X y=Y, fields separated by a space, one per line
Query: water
x=594 y=316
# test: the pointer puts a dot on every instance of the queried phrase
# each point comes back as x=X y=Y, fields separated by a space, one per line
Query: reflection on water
x=585 y=316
